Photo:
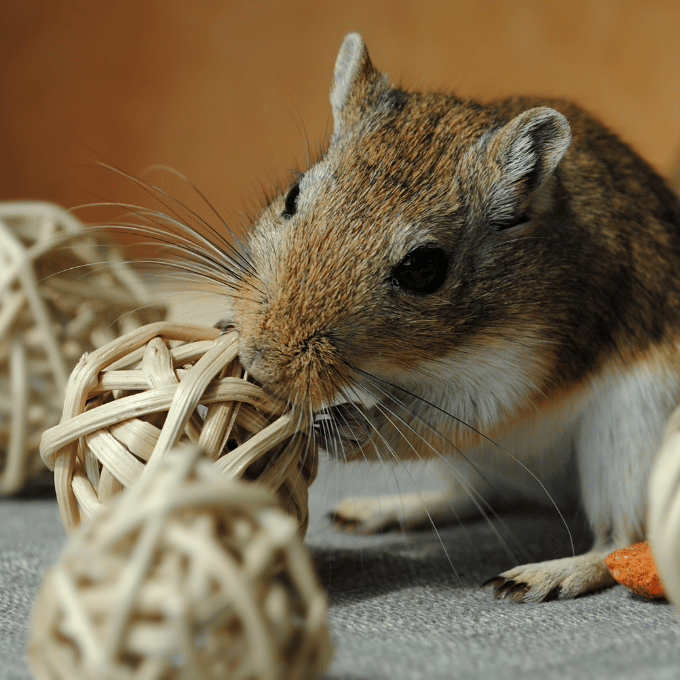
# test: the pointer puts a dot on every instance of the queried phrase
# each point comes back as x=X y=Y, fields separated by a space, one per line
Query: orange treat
x=634 y=568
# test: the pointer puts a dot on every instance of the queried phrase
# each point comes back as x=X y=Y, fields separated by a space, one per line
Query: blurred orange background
x=231 y=93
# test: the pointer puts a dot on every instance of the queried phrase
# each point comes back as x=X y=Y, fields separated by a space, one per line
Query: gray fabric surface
x=398 y=609
x=31 y=536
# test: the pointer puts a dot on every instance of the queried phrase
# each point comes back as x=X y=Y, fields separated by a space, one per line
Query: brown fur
x=561 y=255
x=592 y=274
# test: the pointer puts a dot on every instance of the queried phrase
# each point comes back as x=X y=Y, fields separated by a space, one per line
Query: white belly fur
x=599 y=442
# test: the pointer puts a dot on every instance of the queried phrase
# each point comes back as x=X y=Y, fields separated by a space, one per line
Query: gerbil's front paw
x=369 y=515
x=400 y=511
x=553 y=580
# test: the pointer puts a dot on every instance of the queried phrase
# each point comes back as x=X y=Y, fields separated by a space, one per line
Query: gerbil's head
x=395 y=250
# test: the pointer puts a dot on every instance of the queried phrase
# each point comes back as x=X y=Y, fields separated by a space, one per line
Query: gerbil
x=498 y=279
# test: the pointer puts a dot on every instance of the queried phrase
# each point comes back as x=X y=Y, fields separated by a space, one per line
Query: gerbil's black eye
x=290 y=206
x=423 y=270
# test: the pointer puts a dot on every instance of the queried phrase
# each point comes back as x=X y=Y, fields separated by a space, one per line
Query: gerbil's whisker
x=480 y=503
x=159 y=194
x=375 y=382
x=468 y=489
x=344 y=387
x=432 y=405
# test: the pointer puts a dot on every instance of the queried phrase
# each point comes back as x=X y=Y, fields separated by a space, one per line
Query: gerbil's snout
x=296 y=366
x=306 y=372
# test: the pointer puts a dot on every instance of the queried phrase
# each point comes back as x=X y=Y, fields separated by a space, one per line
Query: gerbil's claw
x=350 y=524
x=553 y=580
x=496 y=581
x=512 y=591
x=507 y=588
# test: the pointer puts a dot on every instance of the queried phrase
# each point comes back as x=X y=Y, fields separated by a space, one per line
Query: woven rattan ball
x=132 y=400
x=664 y=511
x=61 y=293
x=188 y=575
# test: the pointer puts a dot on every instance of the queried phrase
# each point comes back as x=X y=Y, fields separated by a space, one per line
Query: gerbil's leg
x=370 y=514
x=554 y=579
x=616 y=442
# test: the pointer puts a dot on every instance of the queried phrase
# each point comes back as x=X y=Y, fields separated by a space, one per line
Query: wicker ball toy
x=188 y=575
x=61 y=294
x=129 y=402
x=663 y=519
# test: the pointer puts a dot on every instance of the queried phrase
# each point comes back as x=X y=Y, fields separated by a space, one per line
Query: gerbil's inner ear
x=354 y=79
x=525 y=153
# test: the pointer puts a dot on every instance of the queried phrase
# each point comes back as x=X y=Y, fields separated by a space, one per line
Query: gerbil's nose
x=303 y=369
x=253 y=358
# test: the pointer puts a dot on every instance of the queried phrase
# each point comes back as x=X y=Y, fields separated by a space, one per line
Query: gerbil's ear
x=526 y=151
x=354 y=79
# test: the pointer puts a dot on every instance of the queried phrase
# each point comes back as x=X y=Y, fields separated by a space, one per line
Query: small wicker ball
x=61 y=294
x=129 y=402
x=188 y=575
x=663 y=519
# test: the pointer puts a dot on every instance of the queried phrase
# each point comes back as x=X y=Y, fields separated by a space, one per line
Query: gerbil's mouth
x=344 y=424
x=344 y=429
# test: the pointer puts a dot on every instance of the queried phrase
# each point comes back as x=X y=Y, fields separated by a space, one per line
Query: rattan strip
x=61 y=294
x=664 y=510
